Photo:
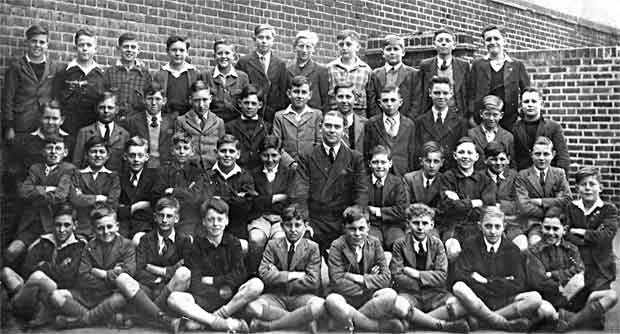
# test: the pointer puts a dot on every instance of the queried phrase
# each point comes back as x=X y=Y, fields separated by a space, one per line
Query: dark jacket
x=556 y=192
x=60 y=264
x=282 y=184
x=249 y=141
x=402 y=146
x=136 y=125
x=395 y=201
x=461 y=79
x=454 y=127
x=502 y=136
x=546 y=128
x=139 y=220
x=433 y=277
x=409 y=86
x=147 y=252
x=317 y=75
x=417 y=192
x=225 y=94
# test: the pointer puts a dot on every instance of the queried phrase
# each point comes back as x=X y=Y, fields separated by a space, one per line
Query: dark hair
x=390 y=89
x=393 y=40
x=223 y=41
x=444 y=31
x=181 y=137
x=199 y=85
x=464 y=140
x=584 y=172
x=54 y=139
x=271 y=141
x=153 y=89
x=64 y=208
x=100 y=210
x=491 y=27
x=51 y=104
x=167 y=202
x=82 y=32
x=136 y=141
x=293 y=211
x=36 y=30
x=555 y=212
x=174 y=38
x=300 y=80
x=337 y=113
x=419 y=209
x=494 y=149
x=264 y=26
x=542 y=140
x=354 y=213
x=440 y=80
x=492 y=100
x=341 y=85
x=128 y=36
x=491 y=211
x=105 y=96
x=216 y=204
x=250 y=90
x=380 y=149
x=228 y=139
x=96 y=141
x=432 y=147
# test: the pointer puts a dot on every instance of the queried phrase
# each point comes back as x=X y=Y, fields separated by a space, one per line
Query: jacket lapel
x=114 y=251
x=255 y=62
x=282 y=253
x=458 y=73
x=358 y=128
x=210 y=122
x=408 y=252
x=429 y=124
x=321 y=160
x=368 y=256
x=26 y=68
x=508 y=70
x=402 y=75
x=299 y=252
x=116 y=134
x=418 y=186
x=342 y=160
x=535 y=182
x=192 y=120
x=449 y=124
x=350 y=255
x=381 y=76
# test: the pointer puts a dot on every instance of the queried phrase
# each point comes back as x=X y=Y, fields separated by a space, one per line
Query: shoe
x=257 y=325
x=473 y=323
x=239 y=326
x=518 y=325
x=458 y=326
x=350 y=326
x=64 y=322
x=391 y=326
x=191 y=325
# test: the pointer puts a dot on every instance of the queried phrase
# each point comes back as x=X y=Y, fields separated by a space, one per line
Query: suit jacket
x=342 y=260
x=395 y=201
x=139 y=220
x=506 y=192
x=516 y=79
x=317 y=75
x=409 y=85
x=358 y=132
x=249 y=141
x=136 y=125
x=502 y=136
x=454 y=127
x=549 y=129
x=434 y=275
x=147 y=252
x=461 y=79
x=161 y=77
x=417 y=192
x=285 y=178
x=273 y=269
x=27 y=150
x=23 y=94
x=224 y=103
x=204 y=139
x=403 y=145
x=556 y=192
x=298 y=136
x=116 y=145
x=274 y=83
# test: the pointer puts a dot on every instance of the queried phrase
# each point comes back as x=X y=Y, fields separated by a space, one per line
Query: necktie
x=106 y=134
x=154 y=122
x=289 y=259
x=439 y=121
x=443 y=66
x=542 y=179
x=332 y=154
x=427 y=184
x=133 y=179
x=391 y=126
x=492 y=250
x=263 y=60
x=165 y=246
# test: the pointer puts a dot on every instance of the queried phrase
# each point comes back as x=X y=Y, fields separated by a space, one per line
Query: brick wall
x=582 y=91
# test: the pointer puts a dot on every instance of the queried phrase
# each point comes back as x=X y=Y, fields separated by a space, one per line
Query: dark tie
x=332 y=154
x=289 y=259
x=443 y=66
x=106 y=134
x=167 y=244
x=378 y=196
x=133 y=179
x=542 y=179
x=154 y=122
x=439 y=121
x=492 y=250
x=428 y=184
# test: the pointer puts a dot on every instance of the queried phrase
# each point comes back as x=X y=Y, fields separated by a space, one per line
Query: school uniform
x=205 y=131
x=354 y=131
x=85 y=187
x=136 y=187
x=480 y=137
x=176 y=86
x=506 y=196
x=27 y=86
x=421 y=192
x=157 y=130
x=250 y=133
x=273 y=81
x=446 y=133
x=225 y=90
x=556 y=191
x=428 y=257
x=524 y=142
x=390 y=195
x=283 y=179
x=319 y=79
x=360 y=74
x=458 y=71
x=298 y=132
x=129 y=85
x=402 y=142
x=27 y=150
x=408 y=81
x=503 y=268
x=116 y=144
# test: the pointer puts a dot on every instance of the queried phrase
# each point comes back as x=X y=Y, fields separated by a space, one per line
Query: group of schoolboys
x=220 y=179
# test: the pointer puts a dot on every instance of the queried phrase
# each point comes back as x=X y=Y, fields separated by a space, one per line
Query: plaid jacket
x=359 y=74
x=129 y=85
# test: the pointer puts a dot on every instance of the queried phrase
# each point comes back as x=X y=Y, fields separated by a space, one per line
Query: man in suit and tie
x=423 y=184
x=396 y=74
x=266 y=71
x=540 y=187
x=155 y=126
x=448 y=66
x=304 y=44
x=330 y=177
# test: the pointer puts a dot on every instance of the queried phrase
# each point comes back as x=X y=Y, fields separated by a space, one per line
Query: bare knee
x=177 y=299
x=388 y=257
x=401 y=307
x=58 y=297
x=15 y=249
x=317 y=306
x=460 y=288
x=257 y=238
x=127 y=284
x=335 y=303
x=254 y=287
x=546 y=310
x=244 y=246
x=521 y=241
x=181 y=279
x=255 y=308
x=136 y=238
x=37 y=276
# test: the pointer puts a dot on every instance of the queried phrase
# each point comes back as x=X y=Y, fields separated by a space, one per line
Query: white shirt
x=137 y=179
x=336 y=149
x=149 y=119
x=162 y=244
x=49 y=169
x=288 y=244
x=298 y=115
x=39 y=133
x=495 y=176
x=395 y=119
x=430 y=181
x=231 y=73
x=417 y=244
x=388 y=67
x=95 y=174
x=36 y=62
x=437 y=113
x=382 y=180
x=495 y=245
x=177 y=72
x=598 y=204
x=226 y=176
x=489 y=134
x=266 y=59
x=87 y=69
x=271 y=174
x=102 y=127
x=496 y=65
x=349 y=119
x=448 y=61
x=546 y=171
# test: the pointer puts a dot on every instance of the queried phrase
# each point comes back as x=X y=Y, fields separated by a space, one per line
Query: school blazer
x=506 y=193
x=409 y=85
x=137 y=125
x=395 y=201
x=416 y=191
x=556 y=192
x=317 y=75
x=403 y=145
x=549 y=129
x=434 y=275
x=204 y=139
x=516 y=79
x=298 y=136
x=285 y=178
x=224 y=103
x=342 y=260
x=141 y=220
x=23 y=93
x=250 y=141
x=461 y=76
x=359 y=122
x=454 y=127
x=273 y=269
x=147 y=252
x=502 y=136
x=83 y=194
x=274 y=83
x=116 y=145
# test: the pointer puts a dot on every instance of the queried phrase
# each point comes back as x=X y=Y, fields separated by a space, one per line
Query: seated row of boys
x=204 y=278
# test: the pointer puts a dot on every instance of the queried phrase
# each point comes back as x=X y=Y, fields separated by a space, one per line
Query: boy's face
x=51 y=120
x=37 y=46
x=393 y=54
x=355 y=232
x=432 y=163
x=552 y=230
x=294 y=229
x=380 y=165
x=227 y=155
x=129 y=50
x=250 y=105
x=264 y=41
x=441 y=93
x=54 y=153
x=106 y=228
x=498 y=163
x=86 y=46
x=332 y=129
x=107 y=110
x=345 y=99
x=97 y=156
x=201 y=101
x=390 y=103
x=542 y=156
x=154 y=103
x=215 y=223
x=531 y=105
x=224 y=56
x=466 y=155
x=166 y=218
x=492 y=229
x=304 y=49
x=177 y=52
x=491 y=117
x=299 y=96
x=420 y=226
x=589 y=189
x=270 y=158
x=348 y=48
x=182 y=152
x=494 y=42
x=63 y=228
x=444 y=44
x=136 y=157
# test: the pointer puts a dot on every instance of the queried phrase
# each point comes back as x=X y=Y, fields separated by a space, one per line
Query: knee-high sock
x=293 y=319
x=25 y=300
x=592 y=310
x=478 y=308
x=271 y=313
x=162 y=299
x=362 y=321
x=103 y=311
x=72 y=308
x=146 y=305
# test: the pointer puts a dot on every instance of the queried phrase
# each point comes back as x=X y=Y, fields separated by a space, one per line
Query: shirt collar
x=506 y=57
x=424 y=178
x=102 y=126
x=170 y=237
x=485 y=130
x=267 y=56
x=396 y=117
x=86 y=70
x=138 y=174
x=436 y=113
x=235 y=170
x=255 y=118
x=349 y=119
x=494 y=245
x=177 y=73
x=326 y=148
x=150 y=117
x=138 y=64
x=295 y=245
x=289 y=110
x=304 y=64
x=40 y=62
x=396 y=67
x=579 y=203
x=447 y=60
x=39 y=133
x=357 y=63
x=50 y=237
x=89 y=170
x=274 y=170
x=537 y=171
x=374 y=179
x=231 y=73
x=459 y=173
x=495 y=176
x=423 y=243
